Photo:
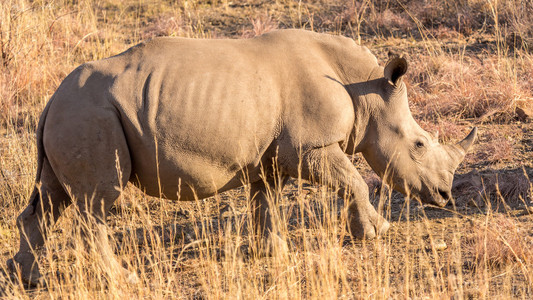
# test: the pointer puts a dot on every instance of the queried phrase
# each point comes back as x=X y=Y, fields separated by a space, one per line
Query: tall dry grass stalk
x=191 y=250
x=210 y=255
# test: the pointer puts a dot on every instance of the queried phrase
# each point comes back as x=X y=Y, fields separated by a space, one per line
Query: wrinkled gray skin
x=208 y=115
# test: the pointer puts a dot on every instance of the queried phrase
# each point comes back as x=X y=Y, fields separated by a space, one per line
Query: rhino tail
x=35 y=196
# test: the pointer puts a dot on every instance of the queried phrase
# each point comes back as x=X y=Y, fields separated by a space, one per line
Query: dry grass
x=498 y=240
x=486 y=88
x=261 y=25
x=495 y=190
x=498 y=148
x=470 y=61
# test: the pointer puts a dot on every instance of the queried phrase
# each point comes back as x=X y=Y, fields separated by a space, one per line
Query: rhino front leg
x=264 y=195
x=330 y=166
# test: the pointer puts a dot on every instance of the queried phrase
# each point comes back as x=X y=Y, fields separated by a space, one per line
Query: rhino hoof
x=28 y=273
x=367 y=229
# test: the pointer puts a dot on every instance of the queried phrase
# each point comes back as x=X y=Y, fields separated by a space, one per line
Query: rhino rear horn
x=468 y=140
x=395 y=68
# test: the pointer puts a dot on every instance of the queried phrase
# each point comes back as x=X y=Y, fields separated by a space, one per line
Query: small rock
x=524 y=113
x=440 y=245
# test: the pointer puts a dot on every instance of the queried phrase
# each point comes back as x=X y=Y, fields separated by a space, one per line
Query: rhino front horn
x=468 y=140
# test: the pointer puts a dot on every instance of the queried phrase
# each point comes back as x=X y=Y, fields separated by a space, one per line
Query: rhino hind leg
x=93 y=163
x=263 y=195
x=93 y=208
x=85 y=164
x=330 y=166
x=46 y=204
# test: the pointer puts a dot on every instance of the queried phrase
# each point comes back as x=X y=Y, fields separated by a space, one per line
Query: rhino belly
x=185 y=176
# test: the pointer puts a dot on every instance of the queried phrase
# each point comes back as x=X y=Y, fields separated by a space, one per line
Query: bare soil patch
x=470 y=65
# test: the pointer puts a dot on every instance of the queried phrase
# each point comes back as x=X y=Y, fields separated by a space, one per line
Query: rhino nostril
x=445 y=194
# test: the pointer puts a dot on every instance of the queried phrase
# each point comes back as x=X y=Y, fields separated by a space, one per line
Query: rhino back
x=199 y=107
x=203 y=114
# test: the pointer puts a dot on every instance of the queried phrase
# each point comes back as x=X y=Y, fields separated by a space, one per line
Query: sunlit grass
x=187 y=250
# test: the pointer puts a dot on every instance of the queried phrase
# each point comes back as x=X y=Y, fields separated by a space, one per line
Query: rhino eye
x=419 y=144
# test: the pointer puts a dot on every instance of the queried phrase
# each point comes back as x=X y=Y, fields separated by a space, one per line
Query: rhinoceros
x=187 y=118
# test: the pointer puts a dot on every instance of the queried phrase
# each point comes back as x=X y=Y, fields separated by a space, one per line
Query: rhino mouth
x=441 y=197
x=434 y=196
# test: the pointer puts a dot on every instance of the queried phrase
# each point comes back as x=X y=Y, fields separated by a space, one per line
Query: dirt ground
x=465 y=71
x=499 y=191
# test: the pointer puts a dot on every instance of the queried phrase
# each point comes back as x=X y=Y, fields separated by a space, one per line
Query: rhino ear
x=395 y=68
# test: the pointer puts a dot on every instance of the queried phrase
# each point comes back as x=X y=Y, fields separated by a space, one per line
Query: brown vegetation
x=470 y=64
x=497 y=241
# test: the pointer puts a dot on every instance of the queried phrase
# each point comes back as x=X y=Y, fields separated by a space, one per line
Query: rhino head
x=399 y=150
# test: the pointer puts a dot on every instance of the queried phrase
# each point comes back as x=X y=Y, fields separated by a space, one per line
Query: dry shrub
x=260 y=25
x=163 y=26
x=445 y=129
x=496 y=150
x=443 y=32
x=389 y=21
x=39 y=44
x=511 y=188
x=499 y=241
x=467 y=87
x=43 y=40
x=516 y=18
x=514 y=187
x=524 y=110
x=510 y=20
x=429 y=12
x=465 y=18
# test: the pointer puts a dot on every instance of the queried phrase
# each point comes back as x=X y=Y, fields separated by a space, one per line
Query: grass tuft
x=470 y=63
